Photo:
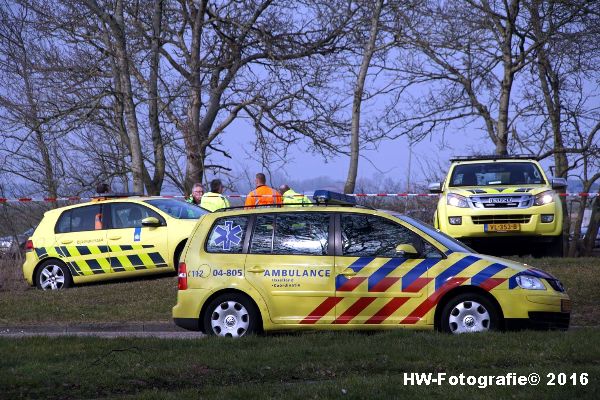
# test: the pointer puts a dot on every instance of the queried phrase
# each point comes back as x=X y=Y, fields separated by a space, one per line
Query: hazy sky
x=390 y=160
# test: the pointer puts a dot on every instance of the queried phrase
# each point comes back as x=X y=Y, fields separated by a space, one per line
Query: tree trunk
x=508 y=77
x=194 y=168
x=550 y=85
x=592 y=231
x=154 y=185
x=50 y=183
x=358 y=95
x=116 y=25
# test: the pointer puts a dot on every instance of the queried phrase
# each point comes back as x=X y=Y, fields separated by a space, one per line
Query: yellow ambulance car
x=346 y=267
x=109 y=237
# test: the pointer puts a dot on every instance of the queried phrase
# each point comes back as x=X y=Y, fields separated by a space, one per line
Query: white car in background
x=11 y=245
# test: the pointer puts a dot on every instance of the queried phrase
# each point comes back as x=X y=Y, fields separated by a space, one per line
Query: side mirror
x=435 y=187
x=406 y=251
x=559 y=183
x=150 y=221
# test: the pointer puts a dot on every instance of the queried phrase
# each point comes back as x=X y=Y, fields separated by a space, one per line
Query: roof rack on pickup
x=495 y=157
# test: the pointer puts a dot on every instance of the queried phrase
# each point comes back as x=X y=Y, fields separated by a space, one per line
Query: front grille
x=501 y=219
x=502 y=201
x=501 y=205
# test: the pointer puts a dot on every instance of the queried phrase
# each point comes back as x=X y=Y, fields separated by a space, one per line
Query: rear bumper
x=540 y=321
x=191 y=324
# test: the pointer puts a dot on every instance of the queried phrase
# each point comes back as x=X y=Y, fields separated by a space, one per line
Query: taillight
x=29 y=245
x=182 y=277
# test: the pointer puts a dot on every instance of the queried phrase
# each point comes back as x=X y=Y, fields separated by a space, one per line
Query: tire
x=469 y=313
x=53 y=275
x=231 y=315
x=555 y=248
x=177 y=256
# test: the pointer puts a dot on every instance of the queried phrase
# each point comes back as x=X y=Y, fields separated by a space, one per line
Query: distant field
x=305 y=366
x=152 y=299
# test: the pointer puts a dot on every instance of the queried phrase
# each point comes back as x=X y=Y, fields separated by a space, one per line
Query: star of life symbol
x=228 y=235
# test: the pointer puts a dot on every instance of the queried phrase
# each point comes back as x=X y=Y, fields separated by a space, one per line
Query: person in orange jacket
x=262 y=195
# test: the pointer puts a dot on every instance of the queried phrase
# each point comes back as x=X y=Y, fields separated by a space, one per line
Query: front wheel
x=468 y=313
x=53 y=275
x=231 y=315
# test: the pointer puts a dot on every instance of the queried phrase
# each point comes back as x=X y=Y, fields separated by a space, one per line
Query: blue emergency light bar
x=333 y=198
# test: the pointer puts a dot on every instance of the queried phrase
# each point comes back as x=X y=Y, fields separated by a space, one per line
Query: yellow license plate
x=502 y=227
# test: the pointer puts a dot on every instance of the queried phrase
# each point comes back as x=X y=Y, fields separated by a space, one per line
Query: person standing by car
x=197 y=192
x=293 y=199
x=214 y=200
x=263 y=194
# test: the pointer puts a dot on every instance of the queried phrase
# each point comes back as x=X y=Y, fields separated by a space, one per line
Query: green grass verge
x=305 y=366
x=152 y=299
x=136 y=300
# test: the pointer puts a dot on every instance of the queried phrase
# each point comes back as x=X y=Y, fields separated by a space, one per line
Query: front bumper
x=539 y=320
x=190 y=324
x=473 y=221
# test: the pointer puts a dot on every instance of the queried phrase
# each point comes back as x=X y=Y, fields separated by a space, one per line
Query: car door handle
x=256 y=269
x=114 y=237
x=348 y=272
x=66 y=241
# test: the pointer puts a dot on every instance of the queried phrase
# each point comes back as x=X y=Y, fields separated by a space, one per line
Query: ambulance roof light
x=333 y=198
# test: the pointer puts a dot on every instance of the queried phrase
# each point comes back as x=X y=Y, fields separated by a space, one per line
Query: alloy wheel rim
x=52 y=277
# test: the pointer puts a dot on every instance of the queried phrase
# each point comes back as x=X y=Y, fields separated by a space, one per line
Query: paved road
x=103 y=330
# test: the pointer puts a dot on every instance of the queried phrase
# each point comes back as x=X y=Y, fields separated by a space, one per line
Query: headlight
x=546 y=197
x=530 y=282
x=457 y=200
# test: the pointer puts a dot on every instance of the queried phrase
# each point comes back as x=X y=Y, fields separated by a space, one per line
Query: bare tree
x=28 y=143
x=564 y=37
x=115 y=37
x=239 y=60
x=460 y=66
x=367 y=55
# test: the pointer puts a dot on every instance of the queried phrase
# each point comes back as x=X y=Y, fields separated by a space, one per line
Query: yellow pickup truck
x=500 y=201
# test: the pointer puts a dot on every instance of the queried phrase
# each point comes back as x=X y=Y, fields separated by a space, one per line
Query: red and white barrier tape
x=234 y=196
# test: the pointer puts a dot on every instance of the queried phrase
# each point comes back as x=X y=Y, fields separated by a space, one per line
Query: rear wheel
x=177 y=256
x=555 y=248
x=53 y=275
x=231 y=315
x=469 y=313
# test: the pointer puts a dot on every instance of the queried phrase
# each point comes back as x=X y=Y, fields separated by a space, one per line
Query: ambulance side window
x=262 y=237
x=78 y=219
x=301 y=234
x=130 y=215
x=227 y=235
x=370 y=236
x=291 y=234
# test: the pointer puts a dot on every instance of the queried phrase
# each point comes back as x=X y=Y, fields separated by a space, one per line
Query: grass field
x=303 y=366
x=310 y=365
x=152 y=299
